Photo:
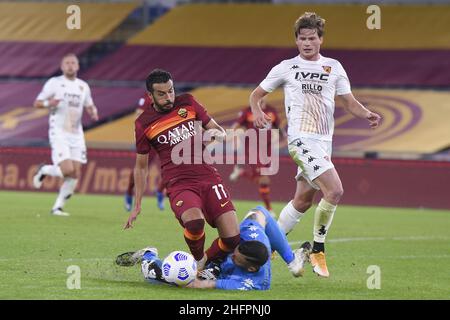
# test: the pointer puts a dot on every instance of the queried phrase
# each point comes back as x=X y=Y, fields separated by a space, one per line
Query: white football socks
x=52 y=170
x=66 y=190
x=289 y=217
x=322 y=220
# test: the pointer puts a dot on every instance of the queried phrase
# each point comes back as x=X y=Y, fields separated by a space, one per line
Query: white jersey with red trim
x=74 y=96
x=309 y=91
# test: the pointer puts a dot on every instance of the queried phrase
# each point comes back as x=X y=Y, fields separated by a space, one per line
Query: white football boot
x=59 y=212
x=301 y=257
x=38 y=177
x=129 y=259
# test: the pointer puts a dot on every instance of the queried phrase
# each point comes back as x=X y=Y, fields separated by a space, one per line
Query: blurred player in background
x=66 y=97
x=195 y=189
x=311 y=82
x=247 y=268
x=253 y=171
x=143 y=103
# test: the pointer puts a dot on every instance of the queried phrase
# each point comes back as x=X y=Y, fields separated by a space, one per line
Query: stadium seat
x=239 y=41
x=34 y=36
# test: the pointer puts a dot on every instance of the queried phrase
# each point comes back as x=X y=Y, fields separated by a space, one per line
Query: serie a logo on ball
x=179 y=268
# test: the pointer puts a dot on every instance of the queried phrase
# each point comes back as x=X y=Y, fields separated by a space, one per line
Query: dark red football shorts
x=211 y=196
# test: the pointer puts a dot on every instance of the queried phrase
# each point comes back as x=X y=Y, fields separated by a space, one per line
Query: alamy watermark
x=374 y=280
x=74 y=279
x=374 y=20
x=73 y=22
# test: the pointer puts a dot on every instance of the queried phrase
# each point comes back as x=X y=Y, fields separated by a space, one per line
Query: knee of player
x=69 y=173
x=195 y=227
x=335 y=194
x=301 y=204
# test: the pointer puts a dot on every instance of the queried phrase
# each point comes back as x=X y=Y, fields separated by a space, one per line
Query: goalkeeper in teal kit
x=247 y=268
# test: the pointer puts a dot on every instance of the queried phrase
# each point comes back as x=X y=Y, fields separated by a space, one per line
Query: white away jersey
x=309 y=91
x=74 y=95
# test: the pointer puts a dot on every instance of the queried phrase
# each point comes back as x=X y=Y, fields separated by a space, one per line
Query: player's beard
x=164 y=107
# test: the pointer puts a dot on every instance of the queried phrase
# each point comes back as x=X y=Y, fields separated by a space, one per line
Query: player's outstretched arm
x=140 y=181
x=261 y=120
x=216 y=130
x=202 y=284
x=92 y=111
x=48 y=103
x=353 y=106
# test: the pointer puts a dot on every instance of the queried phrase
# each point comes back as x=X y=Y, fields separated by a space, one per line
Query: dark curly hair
x=157 y=76
x=255 y=252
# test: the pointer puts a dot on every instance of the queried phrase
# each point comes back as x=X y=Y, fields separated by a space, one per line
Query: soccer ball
x=179 y=268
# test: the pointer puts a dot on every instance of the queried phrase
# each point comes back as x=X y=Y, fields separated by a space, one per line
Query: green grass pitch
x=411 y=247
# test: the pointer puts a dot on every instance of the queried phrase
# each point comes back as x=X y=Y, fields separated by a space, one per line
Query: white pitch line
x=436 y=256
x=411 y=238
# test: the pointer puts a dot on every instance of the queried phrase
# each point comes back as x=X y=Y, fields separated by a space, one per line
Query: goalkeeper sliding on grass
x=247 y=268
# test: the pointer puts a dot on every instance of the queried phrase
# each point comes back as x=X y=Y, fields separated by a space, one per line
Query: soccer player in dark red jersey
x=253 y=171
x=144 y=103
x=196 y=192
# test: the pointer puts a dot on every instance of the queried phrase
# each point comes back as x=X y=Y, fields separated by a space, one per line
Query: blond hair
x=70 y=54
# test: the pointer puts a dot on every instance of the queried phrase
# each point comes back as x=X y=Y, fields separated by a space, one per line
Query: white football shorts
x=313 y=157
x=68 y=148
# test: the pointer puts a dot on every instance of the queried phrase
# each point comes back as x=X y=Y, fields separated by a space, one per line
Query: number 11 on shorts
x=216 y=189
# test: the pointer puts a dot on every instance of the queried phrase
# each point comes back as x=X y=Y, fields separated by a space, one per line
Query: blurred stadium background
x=219 y=51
